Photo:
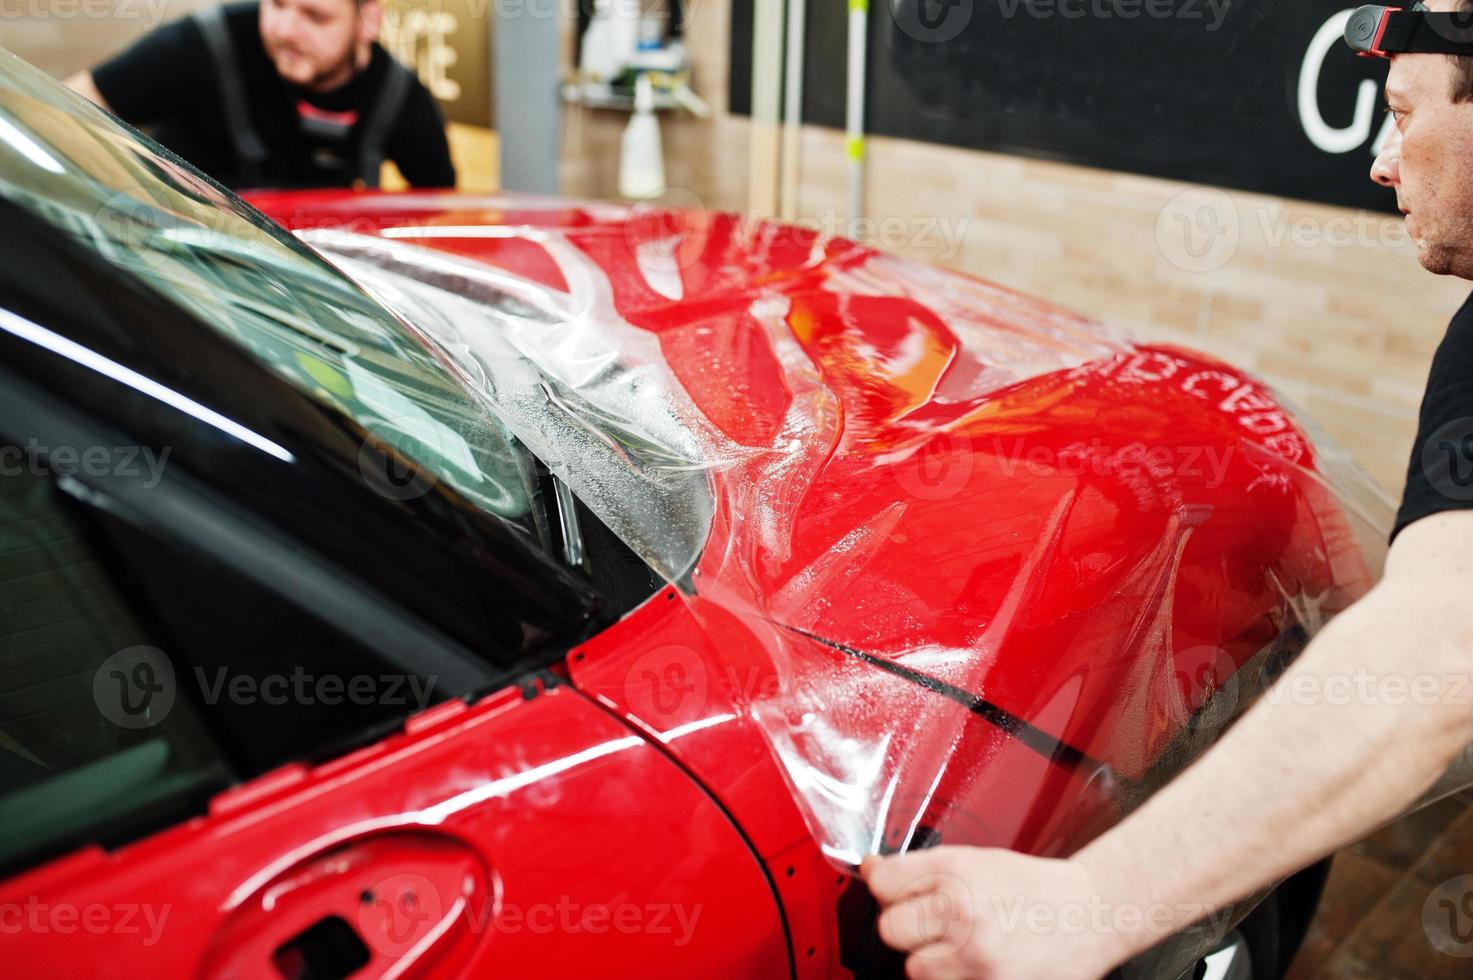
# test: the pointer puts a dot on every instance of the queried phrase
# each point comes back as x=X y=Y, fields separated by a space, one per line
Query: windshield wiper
x=567 y=513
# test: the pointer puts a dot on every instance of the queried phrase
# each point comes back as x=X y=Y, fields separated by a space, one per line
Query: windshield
x=149 y=213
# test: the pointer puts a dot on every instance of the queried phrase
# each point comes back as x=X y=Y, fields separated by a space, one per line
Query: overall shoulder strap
x=250 y=151
x=379 y=121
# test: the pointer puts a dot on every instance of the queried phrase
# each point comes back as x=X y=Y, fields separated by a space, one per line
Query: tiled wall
x=1326 y=303
x=66 y=36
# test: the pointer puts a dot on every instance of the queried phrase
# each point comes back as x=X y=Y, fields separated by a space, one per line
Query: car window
x=142 y=209
x=89 y=737
x=141 y=676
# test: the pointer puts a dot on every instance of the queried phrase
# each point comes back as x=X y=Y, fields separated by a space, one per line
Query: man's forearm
x=83 y=85
x=1344 y=743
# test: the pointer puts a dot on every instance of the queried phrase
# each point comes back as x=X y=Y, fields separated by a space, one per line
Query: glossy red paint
x=511 y=837
x=923 y=441
x=996 y=501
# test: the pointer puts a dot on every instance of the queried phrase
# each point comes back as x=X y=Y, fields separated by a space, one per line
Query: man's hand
x=1301 y=774
x=964 y=912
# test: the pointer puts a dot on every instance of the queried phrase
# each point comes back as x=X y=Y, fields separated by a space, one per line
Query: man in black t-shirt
x=1303 y=772
x=284 y=93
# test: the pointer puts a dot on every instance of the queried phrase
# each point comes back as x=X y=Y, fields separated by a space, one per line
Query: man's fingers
x=928 y=965
x=891 y=877
x=932 y=923
x=914 y=922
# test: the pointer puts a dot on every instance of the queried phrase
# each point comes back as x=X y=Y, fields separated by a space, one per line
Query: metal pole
x=767 y=60
x=528 y=111
x=854 y=145
x=793 y=109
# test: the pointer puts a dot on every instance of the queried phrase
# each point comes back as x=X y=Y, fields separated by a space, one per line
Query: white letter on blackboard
x=1321 y=133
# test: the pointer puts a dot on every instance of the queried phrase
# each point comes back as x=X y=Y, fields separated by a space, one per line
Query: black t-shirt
x=1440 y=475
x=168 y=82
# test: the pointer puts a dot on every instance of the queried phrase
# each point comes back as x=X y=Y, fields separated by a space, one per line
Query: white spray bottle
x=641 y=160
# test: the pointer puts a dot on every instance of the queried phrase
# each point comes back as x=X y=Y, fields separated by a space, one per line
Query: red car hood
x=924 y=480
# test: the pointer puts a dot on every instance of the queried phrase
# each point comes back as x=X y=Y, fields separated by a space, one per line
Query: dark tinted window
x=138 y=677
x=91 y=735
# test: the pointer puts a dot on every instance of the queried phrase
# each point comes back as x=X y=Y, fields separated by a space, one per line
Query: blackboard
x=1232 y=93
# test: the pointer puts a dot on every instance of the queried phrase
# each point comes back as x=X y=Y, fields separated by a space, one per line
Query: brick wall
x=1328 y=304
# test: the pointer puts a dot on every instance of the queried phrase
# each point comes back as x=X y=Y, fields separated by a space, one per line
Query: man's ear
x=370 y=20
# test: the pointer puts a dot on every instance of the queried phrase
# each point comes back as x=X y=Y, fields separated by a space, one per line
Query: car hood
x=909 y=489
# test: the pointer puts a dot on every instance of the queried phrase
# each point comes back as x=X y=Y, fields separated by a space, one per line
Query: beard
x=301 y=71
x=1444 y=259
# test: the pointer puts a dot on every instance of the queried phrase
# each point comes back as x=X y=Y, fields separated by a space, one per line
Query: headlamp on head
x=1380 y=32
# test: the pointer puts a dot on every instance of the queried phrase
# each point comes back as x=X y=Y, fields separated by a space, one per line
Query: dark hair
x=1463 y=64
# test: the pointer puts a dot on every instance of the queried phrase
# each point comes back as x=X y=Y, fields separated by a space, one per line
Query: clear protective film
x=1006 y=572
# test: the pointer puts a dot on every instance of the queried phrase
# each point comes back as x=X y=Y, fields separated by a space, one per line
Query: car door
x=225 y=754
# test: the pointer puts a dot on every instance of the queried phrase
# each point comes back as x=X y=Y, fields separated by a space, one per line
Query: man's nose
x=284 y=24
x=1386 y=170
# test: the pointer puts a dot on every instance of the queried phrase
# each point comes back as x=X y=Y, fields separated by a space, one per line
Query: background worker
x=284 y=93
x=1296 y=778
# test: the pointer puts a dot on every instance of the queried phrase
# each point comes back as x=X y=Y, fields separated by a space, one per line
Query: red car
x=513 y=587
